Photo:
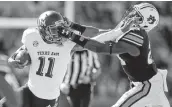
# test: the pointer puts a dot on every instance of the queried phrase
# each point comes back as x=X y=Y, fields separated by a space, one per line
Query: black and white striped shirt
x=81 y=67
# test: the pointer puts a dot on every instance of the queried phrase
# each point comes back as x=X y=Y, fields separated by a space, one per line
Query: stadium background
x=103 y=14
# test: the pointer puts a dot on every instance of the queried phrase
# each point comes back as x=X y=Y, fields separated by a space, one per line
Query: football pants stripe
x=128 y=95
x=136 y=96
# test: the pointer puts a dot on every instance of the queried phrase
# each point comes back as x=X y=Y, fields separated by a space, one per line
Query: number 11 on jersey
x=42 y=64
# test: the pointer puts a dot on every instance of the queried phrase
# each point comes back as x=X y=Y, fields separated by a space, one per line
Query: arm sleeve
x=133 y=37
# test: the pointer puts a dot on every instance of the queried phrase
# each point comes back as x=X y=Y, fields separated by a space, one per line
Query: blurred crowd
x=102 y=14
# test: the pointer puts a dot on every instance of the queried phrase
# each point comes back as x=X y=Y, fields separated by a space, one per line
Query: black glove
x=65 y=32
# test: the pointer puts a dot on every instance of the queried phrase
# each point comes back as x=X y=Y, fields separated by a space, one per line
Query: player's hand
x=65 y=88
x=129 y=24
x=64 y=32
x=16 y=63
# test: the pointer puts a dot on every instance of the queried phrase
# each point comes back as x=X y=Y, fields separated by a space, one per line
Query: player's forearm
x=88 y=43
x=85 y=30
x=112 y=35
x=98 y=47
x=78 y=27
x=100 y=43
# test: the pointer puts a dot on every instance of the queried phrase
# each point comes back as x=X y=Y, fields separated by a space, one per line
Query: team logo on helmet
x=151 y=19
x=41 y=22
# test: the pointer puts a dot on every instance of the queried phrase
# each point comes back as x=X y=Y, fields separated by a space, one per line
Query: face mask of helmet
x=132 y=13
x=53 y=31
x=52 y=34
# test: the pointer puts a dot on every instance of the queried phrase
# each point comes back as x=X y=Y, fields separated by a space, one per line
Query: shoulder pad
x=28 y=32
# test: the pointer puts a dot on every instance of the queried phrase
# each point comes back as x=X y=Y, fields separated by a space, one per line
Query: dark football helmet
x=48 y=23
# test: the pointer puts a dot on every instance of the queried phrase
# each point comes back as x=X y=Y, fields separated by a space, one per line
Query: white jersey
x=49 y=64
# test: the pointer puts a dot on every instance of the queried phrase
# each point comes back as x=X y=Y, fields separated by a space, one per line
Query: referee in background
x=79 y=79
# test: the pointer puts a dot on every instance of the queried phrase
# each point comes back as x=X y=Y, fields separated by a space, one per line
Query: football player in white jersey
x=49 y=55
x=130 y=41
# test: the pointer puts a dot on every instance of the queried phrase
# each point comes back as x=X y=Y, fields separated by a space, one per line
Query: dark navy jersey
x=142 y=67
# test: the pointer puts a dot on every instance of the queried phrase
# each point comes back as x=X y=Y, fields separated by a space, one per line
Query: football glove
x=65 y=32
x=129 y=24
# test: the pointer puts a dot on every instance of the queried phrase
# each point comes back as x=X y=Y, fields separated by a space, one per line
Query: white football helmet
x=147 y=13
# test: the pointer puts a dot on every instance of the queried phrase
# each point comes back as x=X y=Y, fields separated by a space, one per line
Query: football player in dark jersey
x=131 y=43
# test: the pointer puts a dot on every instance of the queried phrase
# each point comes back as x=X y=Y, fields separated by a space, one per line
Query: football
x=24 y=57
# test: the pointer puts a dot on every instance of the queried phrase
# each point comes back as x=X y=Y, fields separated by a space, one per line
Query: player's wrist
x=80 y=40
x=117 y=34
x=123 y=30
x=77 y=27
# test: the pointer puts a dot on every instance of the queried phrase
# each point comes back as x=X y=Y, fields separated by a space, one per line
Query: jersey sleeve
x=133 y=37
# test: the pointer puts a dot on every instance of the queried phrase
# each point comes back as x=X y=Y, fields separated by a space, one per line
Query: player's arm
x=127 y=43
x=84 y=29
x=7 y=91
x=91 y=31
x=109 y=42
x=17 y=51
x=87 y=30
x=21 y=57
x=121 y=46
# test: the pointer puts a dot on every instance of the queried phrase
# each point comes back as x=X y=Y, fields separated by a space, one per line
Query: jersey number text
x=50 y=67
